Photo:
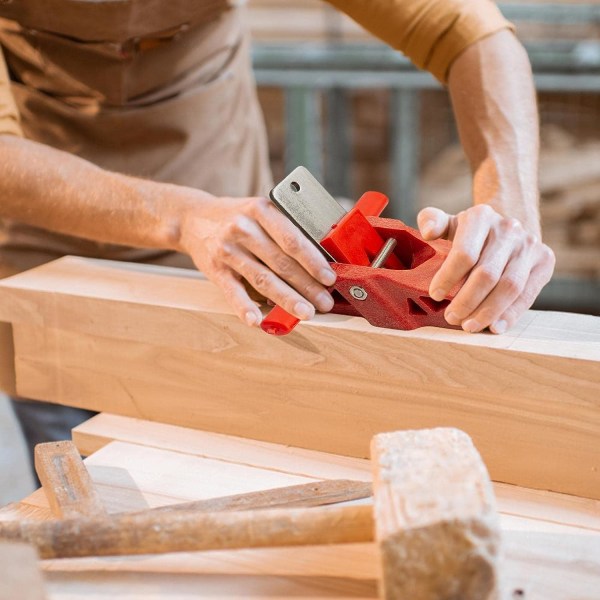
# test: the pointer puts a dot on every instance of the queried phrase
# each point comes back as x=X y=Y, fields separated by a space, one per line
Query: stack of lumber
x=550 y=540
x=570 y=197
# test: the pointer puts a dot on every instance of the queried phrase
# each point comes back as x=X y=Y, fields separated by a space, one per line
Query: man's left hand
x=505 y=266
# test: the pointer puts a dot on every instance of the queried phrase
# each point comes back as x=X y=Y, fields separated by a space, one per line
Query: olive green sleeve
x=432 y=33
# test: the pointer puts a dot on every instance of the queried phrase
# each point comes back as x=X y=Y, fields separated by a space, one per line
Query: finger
x=253 y=238
x=471 y=234
x=293 y=243
x=510 y=286
x=269 y=284
x=540 y=275
x=433 y=223
x=483 y=278
x=238 y=297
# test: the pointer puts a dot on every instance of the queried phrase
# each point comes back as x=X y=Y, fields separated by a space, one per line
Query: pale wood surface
x=515 y=502
x=20 y=576
x=162 y=344
x=66 y=482
x=552 y=541
x=7 y=363
x=435 y=516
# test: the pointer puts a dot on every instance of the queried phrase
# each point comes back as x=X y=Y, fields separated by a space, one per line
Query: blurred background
x=360 y=117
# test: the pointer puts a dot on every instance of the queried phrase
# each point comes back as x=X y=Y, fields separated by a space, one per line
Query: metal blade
x=308 y=205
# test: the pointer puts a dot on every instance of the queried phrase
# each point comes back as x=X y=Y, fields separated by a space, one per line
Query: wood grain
x=139 y=439
x=320 y=493
x=435 y=516
x=66 y=482
x=123 y=338
x=551 y=540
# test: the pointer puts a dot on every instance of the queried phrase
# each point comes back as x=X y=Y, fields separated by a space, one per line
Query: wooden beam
x=7 y=360
x=162 y=344
x=103 y=429
x=550 y=540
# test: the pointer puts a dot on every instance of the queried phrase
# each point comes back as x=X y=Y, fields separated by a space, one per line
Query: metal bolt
x=358 y=293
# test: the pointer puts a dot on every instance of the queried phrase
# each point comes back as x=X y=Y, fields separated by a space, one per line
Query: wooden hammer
x=433 y=517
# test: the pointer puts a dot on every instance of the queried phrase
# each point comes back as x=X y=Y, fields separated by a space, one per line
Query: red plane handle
x=279 y=322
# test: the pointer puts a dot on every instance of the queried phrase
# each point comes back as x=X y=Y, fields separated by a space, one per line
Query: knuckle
x=548 y=255
x=284 y=264
x=262 y=280
x=465 y=257
x=290 y=243
x=227 y=251
x=485 y=275
x=512 y=285
x=257 y=207
x=483 y=209
x=236 y=228
x=531 y=240
x=509 y=225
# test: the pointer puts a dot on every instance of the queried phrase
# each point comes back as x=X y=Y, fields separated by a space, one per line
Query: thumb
x=433 y=223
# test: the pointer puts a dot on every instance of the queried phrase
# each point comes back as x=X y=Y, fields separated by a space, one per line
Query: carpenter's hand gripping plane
x=383 y=267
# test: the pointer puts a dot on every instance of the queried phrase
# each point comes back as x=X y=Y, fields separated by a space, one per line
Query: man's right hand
x=230 y=239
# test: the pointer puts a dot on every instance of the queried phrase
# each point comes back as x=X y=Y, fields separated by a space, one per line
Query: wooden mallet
x=433 y=517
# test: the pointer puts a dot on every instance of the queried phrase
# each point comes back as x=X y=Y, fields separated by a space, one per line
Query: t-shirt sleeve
x=9 y=115
x=432 y=33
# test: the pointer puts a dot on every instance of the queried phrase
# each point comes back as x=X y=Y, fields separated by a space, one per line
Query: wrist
x=510 y=192
x=169 y=208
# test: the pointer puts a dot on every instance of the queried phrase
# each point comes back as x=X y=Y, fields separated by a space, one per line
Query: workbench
x=551 y=541
x=208 y=407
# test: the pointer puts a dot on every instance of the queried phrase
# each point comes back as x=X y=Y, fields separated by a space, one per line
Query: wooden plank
x=122 y=338
x=544 y=556
x=66 y=482
x=435 y=516
x=545 y=508
x=20 y=576
x=7 y=360
x=104 y=428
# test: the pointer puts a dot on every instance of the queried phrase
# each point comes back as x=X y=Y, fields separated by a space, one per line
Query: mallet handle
x=189 y=531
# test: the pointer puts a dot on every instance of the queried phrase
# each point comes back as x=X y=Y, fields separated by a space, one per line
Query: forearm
x=47 y=188
x=494 y=103
x=229 y=239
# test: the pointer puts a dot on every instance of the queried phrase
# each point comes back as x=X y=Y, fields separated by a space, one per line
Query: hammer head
x=435 y=516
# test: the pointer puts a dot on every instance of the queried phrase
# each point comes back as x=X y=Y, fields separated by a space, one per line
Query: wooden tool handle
x=66 y=482
x=184 y=531
x=316 y=493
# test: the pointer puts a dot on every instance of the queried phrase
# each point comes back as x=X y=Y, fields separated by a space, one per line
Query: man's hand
x=505 y=267
x=231 y=239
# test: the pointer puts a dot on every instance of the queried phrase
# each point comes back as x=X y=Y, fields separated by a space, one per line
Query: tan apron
x=160 y=89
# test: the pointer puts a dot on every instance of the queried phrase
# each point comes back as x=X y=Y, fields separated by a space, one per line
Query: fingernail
x=438 y=294
x=472 y=326
x=303 y=310
x=328 y=277
x=452 y=318
x=324 y=302
x=252 y=319
x=428 y=228
x=500 y=326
